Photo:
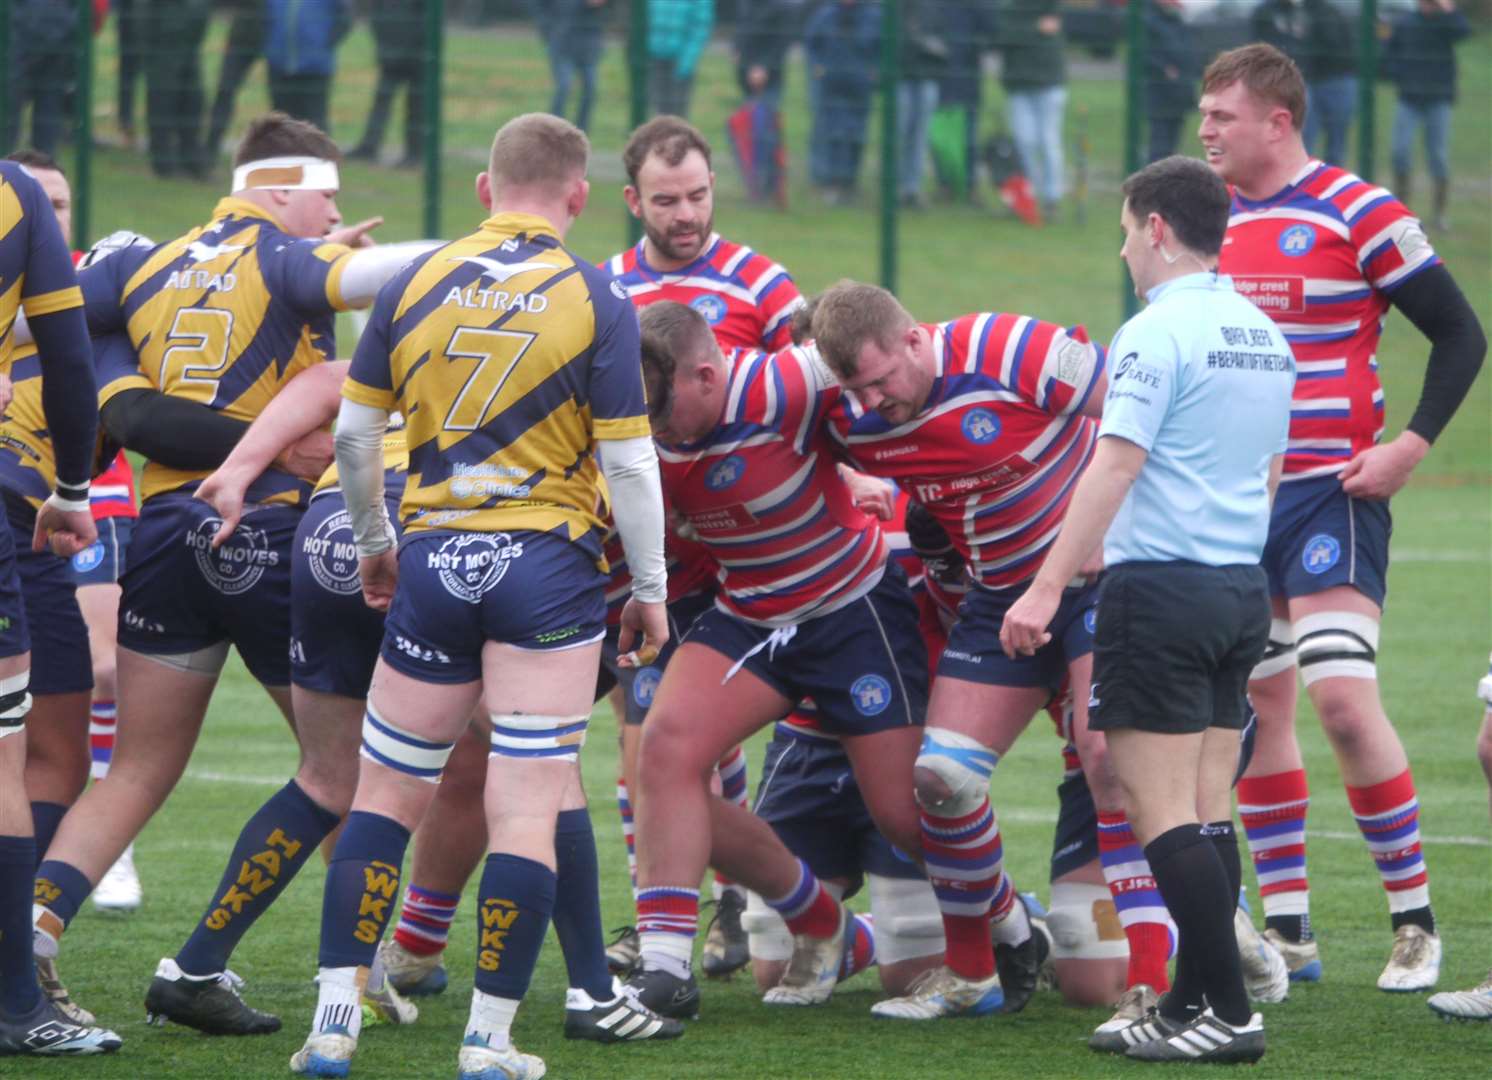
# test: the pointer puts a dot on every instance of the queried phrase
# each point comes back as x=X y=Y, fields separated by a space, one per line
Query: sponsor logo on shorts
x=237 y=566
x=472 y=563
x=981 y=426
x=4 y=622
x=725 y=472
x=711 y=307
x=139 y=622
x=549 y=637
x=870 y=694
x=331 y=555
x=89 y=558
x=1093 y=696
x=965 y=657
x=1090 y=620
x=297 y=651
x=618 y=289
x=645 y=685
x=420 y=652
x=1321 y=553
x=1297 y=240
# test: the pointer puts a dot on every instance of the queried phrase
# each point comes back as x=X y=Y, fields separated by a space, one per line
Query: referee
x=1179 y=489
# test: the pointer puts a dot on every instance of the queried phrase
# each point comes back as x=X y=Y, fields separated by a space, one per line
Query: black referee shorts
x=1174 y=645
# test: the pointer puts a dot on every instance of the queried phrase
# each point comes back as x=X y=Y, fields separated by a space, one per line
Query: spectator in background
x=1171 y=71
x=171 y=33
x=764 y=31
x=1331 y=80
x=969 y=30
x=40 y=67
x=842 y=42
x=399 y=39
x=244 y=47
x=1034 y=74
x=1421 y=61
x=130 y=49
x=572 y=32
x=301 y=47
x=924 y=61
x=678 y=31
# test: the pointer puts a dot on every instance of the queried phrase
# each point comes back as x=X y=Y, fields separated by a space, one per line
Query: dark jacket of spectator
x=1031 y=59
x=925 y=48
x=843 y=41
x=765 y=30
x=1172 y=66
x=969 y=28
x=1420 y=56
x=1333 y=41
x=303 y=37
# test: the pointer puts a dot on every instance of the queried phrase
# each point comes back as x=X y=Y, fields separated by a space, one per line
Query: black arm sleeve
x=174 y=432
x=1433 y=302
x=69 y=394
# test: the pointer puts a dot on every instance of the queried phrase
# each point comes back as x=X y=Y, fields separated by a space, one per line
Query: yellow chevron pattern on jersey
x=27 y=463
x=14 y=249
x=488 y=357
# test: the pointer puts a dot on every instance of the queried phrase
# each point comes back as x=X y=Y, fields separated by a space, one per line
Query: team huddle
x=670 y=480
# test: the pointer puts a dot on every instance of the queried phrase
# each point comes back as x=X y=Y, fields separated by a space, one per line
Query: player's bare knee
x=952 y=772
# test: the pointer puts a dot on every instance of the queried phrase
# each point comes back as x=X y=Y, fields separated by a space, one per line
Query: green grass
x=952 y=260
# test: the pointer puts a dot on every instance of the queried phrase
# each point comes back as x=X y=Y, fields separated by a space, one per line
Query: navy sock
x=19 y=991
x=577 y=904
x=45 y=817
x=271 y=849
x=61 y=888
x=362 y=884
x=514 y=903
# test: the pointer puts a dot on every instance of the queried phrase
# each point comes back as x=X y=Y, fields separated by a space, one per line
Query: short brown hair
x=850 y=314
x=670 y=137
x=277 y=134
x=1189 y=197
x=1266 y=73
x=37 y=159
x=537 y=149
x=671 y=332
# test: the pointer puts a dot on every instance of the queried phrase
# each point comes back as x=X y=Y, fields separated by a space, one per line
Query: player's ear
x=579 y=195
x=484 y=190
x=633 y=198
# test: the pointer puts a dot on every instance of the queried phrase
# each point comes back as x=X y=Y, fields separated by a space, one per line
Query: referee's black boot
x=212 y=1005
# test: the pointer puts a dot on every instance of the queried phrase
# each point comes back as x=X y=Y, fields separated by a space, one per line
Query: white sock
x=491 y=1018
x=1015 y=927
x=665 y=951
x=339 y=999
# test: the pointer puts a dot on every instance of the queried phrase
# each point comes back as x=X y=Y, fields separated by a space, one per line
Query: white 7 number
x=198 y=333
x=469 y=343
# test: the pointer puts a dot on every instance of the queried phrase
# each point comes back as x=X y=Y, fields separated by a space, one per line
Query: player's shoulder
x=1354 y=199
x=745 y=264
x=28 y=188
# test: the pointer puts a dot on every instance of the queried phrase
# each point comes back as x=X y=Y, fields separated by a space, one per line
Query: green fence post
x=1367 y=90
x=1134 y=94
x=637 y=88
x=890 y=151
x=83 y=129
x=434 y=84
x=5 y=63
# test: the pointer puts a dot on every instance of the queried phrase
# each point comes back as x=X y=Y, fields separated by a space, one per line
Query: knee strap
x=1084 y=923
x=908 y=923
x=15 y=703
x=963 y=764
x=401 y=751
x=530 y=735
x=1337 y=645
x=1279 y=653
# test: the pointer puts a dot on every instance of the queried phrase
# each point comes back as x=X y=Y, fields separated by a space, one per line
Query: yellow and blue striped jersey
x=36 y=269
x=224 y=316
x=509 y=357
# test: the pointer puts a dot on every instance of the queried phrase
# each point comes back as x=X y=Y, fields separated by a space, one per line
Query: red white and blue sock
x=964 y=858
x=629 y=829
x=733 y=784
x=102 y=722
x=859 y=946
x=807 y=908
x=1142 y=912
x=667 y=920
x=1273 y=809
x=425 y=920
x=1388 y=817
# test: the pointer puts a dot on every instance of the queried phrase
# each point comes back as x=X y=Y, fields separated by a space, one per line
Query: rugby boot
x=1414 y=963
x=1473 y=1004
x=1265 y=974
x=382 y=1004
x=624 y=952
x=1019 y=966
x=1302 y=958
x=326 y=1053
x=664 y=993
x=212 y=1006
x=119 y=888
x=941 y=992
x=1135 y=1005
x=409 y=973
x=53 y=990
x=726 y=950
x=1206 y=1039
x=478 y=1061
x=46 y=1031
x=621 y=1019
x=813 y=970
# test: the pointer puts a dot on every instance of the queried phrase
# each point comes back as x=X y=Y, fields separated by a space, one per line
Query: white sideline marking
x=1417 y=556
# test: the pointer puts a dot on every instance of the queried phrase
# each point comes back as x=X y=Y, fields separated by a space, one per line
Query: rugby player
x=36 y=274
x=1326 y=254
x=520 y=359
x=223 y=317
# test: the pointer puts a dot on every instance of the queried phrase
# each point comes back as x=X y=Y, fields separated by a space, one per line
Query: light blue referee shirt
x=1201 y=379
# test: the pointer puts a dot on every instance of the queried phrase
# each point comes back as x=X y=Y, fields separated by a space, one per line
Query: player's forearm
x=359 y=442
x=369 y=269
x=171 y=431
x=1099 y=494
x=69 y=397
x=308 y=403
x=631 y=469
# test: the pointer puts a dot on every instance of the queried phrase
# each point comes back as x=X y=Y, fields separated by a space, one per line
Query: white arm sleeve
x=631 y=470
x=359 y=442
x=369 y=268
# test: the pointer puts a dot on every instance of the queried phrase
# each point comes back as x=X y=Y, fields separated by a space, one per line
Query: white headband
x=287 y=174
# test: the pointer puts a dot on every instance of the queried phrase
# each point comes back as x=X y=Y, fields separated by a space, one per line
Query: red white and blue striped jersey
x=996 y=451
x=747 y=299
x=690 y=570
x=762 y=493
x=1322 y=258
x=112 y=493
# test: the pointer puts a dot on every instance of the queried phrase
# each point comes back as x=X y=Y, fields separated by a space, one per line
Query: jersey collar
x=1202 y=279
x=1307 y=171
x=701 y=259
x=511 y=224
x=232 y=206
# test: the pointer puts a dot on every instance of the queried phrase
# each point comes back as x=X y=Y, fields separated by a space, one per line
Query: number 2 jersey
x=224 y=316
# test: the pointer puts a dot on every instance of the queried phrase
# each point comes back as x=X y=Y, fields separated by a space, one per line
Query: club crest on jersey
x=870 y=694
x=1297 y=240
x=331 y=555
x=472 y=563
x=711 y=307
x=725 y=472
x=1090 y=620
x=90 y=558
x=237 y=566
x=1321 y=553
x=645 y=685
x=981 y=426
